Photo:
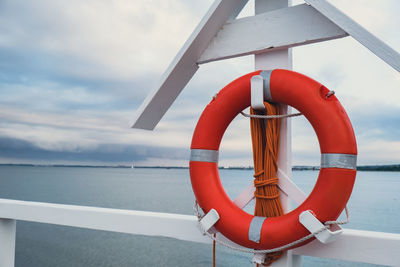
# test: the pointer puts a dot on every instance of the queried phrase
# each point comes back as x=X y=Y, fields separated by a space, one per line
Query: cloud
x=102 y=40
x=20 y=151
x=72 y=75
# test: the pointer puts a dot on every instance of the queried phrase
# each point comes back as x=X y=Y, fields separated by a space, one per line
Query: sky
x=73 y=73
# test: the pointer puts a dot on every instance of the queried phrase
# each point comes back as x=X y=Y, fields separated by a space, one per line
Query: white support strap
x=309 y=221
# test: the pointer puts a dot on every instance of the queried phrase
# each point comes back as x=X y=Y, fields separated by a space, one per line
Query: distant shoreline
x=392 y=167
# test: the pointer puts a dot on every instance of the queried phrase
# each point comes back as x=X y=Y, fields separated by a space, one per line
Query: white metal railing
x=352 y=245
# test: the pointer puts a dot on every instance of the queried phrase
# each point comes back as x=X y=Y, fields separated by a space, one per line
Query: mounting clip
x=309 y=221
x=257 y=92
x=207 y=222
x=258 y=258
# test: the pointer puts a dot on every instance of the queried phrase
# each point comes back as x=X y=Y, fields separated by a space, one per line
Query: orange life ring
x=338 y=158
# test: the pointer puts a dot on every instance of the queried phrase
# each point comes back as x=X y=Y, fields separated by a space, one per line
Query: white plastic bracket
x=208 y=221
x=257 y=92
x=309 y=221
x=258 y=258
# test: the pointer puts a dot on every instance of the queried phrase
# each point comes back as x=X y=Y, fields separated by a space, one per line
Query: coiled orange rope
x=214 y=251
x=265 y=140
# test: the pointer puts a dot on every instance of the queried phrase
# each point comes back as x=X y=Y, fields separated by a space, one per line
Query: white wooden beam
x=7 y=242
x=375 y=45
x=285 y=184
x=184 y=66
x=277 y=29
x=355 y=245
x=266 y=61
x=352 y=245
x=183 y=227
x=245 y=196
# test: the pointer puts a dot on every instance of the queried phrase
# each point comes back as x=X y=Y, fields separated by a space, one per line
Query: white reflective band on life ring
x=266 y=74
x=255 y=228
x=342 y=161
x=204 y=155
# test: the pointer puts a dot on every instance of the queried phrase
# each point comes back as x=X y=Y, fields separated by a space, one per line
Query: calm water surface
x=374 y=205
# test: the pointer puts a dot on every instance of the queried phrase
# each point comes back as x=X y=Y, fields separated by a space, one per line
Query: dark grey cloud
x=104 y=153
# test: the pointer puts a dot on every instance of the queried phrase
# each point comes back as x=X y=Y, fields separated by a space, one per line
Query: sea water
x=374 y=205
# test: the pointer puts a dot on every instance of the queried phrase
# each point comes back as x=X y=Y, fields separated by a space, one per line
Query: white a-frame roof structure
x=219 y=36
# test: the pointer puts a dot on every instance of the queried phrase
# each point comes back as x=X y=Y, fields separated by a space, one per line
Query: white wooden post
x=272 y=60
x=7 y=242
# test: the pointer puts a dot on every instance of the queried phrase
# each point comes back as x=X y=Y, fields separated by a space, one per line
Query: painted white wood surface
x=375 y=45
x=278 y=59
x=266 y=61
x=7 y=242
x=352 y=245
x=245 y=196
x=178 y=226
x=285 y=184
x=282 y=28
x=184 y=65
x=355 y=245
